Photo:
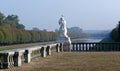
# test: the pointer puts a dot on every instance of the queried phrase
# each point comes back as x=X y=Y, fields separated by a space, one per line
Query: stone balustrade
x=96 y=46
x=17 y=57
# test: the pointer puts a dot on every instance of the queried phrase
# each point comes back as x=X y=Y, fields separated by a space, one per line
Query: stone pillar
x=28 y=55
x=61 y=47
x=43 y=51
x=17 y=57
x=67 y=47
x=58 y=47
x=48 y=49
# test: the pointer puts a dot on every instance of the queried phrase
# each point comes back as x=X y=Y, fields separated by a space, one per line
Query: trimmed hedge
x=14 y=36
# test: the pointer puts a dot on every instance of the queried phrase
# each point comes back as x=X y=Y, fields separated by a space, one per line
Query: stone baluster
x=91 y=46
x=28 y=55
x=87 y=46
x=11 y=61
x=58 y=47
x=61 y=47
x=6 y=62
x=76 y=47
x=43 y=51
x=79 y=47
x=48 y=49
x=83 y=46
x=96 y=46
x=73 y=48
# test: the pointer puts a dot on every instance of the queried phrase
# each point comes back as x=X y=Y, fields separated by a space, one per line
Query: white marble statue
x=62 y=29
x=63 y=37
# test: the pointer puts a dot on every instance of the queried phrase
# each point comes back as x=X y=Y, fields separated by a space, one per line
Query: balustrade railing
x=95 y=46
x=17 y=57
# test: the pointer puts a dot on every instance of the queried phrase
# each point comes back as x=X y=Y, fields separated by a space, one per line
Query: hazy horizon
x=86 y=14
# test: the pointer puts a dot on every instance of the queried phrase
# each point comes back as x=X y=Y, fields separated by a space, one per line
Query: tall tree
x=13 y=21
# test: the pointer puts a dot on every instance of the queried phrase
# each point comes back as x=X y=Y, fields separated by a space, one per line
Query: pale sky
x=44 y=14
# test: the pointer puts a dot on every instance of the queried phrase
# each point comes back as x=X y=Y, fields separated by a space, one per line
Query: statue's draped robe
x=62 y=29
x=63 y=37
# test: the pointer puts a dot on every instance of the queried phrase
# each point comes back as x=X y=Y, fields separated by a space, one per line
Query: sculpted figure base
x=63 y=37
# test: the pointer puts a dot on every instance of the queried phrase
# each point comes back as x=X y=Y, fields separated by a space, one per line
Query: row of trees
x=12 y=32
x=15 y=36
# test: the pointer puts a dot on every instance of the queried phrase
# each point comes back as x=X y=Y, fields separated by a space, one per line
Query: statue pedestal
x=66 y=43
